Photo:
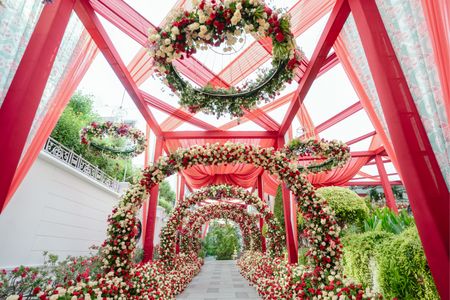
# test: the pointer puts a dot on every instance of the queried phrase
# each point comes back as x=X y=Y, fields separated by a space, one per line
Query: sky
x=329 y=94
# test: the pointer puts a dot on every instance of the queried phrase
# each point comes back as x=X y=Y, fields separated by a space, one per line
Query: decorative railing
x=70 y=158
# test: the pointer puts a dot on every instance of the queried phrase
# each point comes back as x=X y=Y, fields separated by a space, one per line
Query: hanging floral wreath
x=95 y=132
x=211 y=24
x=181 y=210
x=251 y=235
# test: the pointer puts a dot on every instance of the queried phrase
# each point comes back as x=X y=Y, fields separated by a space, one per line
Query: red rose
x=268 y=10
x=279 y=37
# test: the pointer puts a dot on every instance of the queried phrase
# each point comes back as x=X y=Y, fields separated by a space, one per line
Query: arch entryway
x=251 y=235
x=168 y=233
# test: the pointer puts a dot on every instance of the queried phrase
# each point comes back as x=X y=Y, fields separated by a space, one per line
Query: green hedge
x=359 y=250
x=394 y=265
x=348 y=206
x=403 y=268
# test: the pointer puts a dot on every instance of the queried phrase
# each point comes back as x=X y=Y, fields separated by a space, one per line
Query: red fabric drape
x=239 y=174
x=437 y=14
x=80 y=65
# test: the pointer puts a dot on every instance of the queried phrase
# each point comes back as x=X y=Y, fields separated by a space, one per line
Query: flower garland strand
x=211 y=24
x=115 y=130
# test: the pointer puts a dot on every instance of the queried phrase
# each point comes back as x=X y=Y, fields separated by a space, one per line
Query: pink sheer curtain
x=437 y=15
x=345 y=59
x=79 y=65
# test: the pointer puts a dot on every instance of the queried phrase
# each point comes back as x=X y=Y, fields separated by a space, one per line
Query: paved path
x=219 y=280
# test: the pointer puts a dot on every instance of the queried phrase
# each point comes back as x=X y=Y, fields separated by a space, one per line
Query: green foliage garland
x=403 y=268
x=359 y=250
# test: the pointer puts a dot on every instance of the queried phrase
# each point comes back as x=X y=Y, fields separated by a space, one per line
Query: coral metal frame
x=422 y=178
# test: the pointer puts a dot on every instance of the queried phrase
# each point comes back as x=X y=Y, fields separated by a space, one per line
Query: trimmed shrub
x=403 y=268
x=359 y=250
x=348 y=206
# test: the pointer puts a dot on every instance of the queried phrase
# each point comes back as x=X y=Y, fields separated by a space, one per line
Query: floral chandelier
x=95 y=133
x=216 y=23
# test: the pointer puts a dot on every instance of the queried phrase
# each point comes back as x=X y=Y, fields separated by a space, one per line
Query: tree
x=166 y=192
x=166 y=197
x=222 y=241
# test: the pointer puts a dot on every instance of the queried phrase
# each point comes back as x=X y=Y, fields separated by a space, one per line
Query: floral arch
x=251 y=234
x=168 y=233
x=287 y=163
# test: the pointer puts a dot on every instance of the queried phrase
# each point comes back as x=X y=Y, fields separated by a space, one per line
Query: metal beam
x=368 y=176
x=261 y=220
x=374 y=163
x=363 y=153
x=93 y=25
x=176 y=112
x=332 y=29
x=331 y=61
x=428 y=193
x=361 y=138
x=148 y=239
x=389 y=195
x=352 y=109
x=170 y=135
x=371 y=183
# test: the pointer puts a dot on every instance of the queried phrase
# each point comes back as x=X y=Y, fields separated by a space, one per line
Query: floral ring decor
x=95 y=132
x=250 y=232
x=211 y=24
x=181 y=210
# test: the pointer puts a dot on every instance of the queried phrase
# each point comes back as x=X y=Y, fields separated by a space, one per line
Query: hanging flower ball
x=93 y=134
x=222 y=23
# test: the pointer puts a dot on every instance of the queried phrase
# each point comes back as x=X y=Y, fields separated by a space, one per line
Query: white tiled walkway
x=219 y=280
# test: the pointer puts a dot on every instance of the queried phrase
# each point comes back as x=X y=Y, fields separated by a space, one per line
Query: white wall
x=56 y=208
x=59 y=210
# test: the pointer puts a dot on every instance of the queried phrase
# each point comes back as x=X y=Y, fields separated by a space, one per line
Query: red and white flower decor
x=276 y=279
x=109 y=129
x=168 y=233
x=322 y=229
x=250 y=232
x=215 y=23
